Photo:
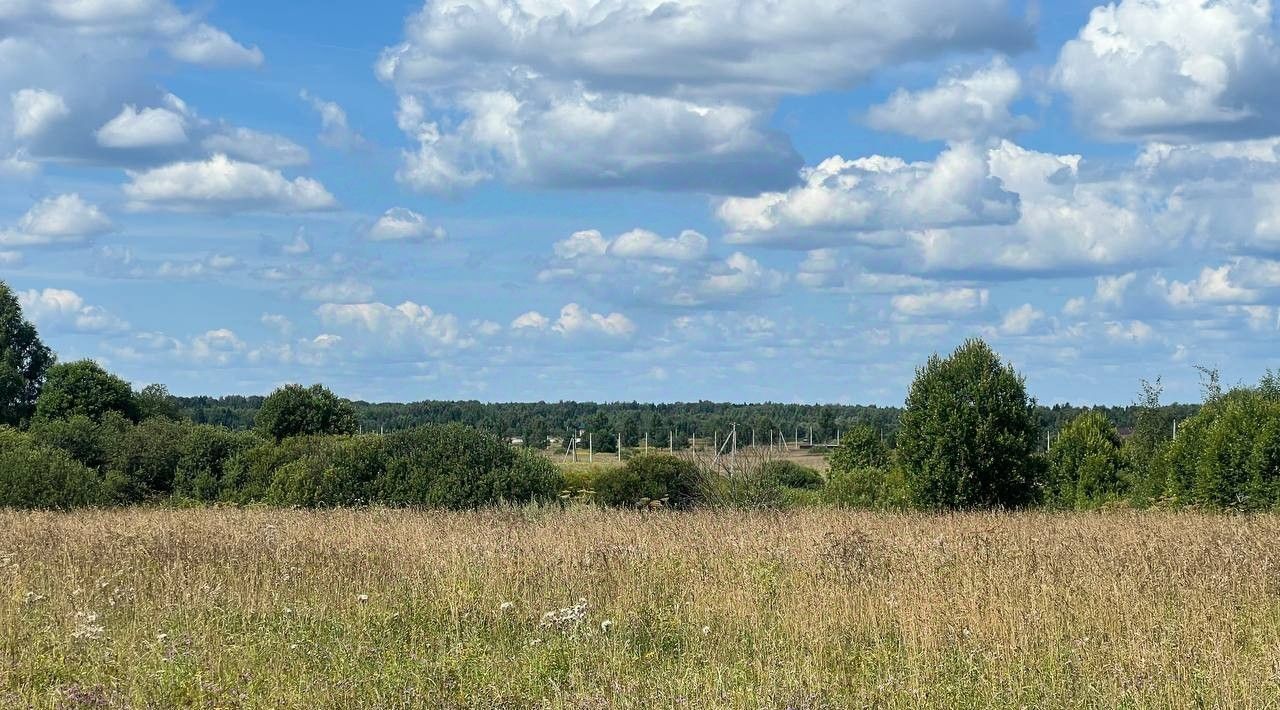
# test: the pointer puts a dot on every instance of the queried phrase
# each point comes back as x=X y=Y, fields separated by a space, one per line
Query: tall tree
x=23 y=362
x=294 y=410
x=84 y=388
x=968 y=433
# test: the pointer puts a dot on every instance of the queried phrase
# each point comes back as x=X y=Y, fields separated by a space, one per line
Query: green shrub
x=42 y=477
x=1085 y=464
x=790 y=474
x=860 y=447
x=883 y=488
x=968 y=433
x=144 y=459
x=649 y=478
x=85 y=440
x=455 y=466
x=206 y=453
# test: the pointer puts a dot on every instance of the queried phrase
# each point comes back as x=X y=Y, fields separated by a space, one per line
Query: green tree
x=23 y=362
x=155 y=402
x=860 y=447
x=294 y=410
x=968 y=432
x=1086 y=467
x=84 y=388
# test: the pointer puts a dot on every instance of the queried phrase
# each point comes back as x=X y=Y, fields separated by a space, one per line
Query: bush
x=294 y=410
x=84 y=439
x=790 y=474
x=35 y=476
x=455 y=466
x=206 y=453
x=860 y=447
x=144 y=459
x=1085 y=464
x=649 y=478
x=968 y=433
x=84 y=388
x=871 y=488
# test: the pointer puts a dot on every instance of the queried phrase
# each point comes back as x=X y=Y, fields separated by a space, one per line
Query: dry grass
x=805 y=609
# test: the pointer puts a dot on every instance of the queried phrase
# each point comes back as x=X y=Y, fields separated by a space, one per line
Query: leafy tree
x=968 y=432
x=1145 y=449
x=882 y=488
x=1086 y=467
x=860 y=447
x=155 y=402
x=84 y=388
x=294 y=410
x=23 y=362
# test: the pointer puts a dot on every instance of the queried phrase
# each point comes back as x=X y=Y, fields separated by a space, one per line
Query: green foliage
x=36 y=476
x=860 y=447
x=1085 y=466
x=790 y=474
x=155 y=402
x=24 y=361
x=206 y=453
x=84 y=439
x=294 y=410
x=454 y=466
x=84 y=388
x=648 y=478
x=968 y=432
x=1145 y=450
x=873 y=488
x=144 y=459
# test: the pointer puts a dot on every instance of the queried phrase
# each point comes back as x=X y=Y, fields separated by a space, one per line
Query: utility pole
x=671 y=442
x=715 y=442
x=619 y=447
x=591 y=448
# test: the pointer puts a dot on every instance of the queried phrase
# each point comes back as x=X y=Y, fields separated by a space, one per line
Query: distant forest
x=535 y=422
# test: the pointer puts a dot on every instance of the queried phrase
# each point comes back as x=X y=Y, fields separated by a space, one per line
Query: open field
x=815 y=458
x=807 y=609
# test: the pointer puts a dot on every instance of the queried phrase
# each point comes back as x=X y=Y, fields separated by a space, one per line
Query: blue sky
x=641 y=200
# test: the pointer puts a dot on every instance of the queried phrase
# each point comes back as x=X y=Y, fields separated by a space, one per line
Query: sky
x=649 y=200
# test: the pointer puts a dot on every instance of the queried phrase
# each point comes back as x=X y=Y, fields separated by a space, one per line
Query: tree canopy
x=24 y=361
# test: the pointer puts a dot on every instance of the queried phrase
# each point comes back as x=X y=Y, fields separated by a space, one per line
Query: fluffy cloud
x=575 y=320
x=223 y=184
x=571 y=138
x=961 y=107
x=345 y=291
x=147 y=128
x=34 y=110
x=335 y=132
x=61 y=309
x=408 y=324
x=61 y=220
x=399 y=224
x=643 y=267
x=877 y=193
x=1178 y=69
x=934 y=304
x=673 y=95
x=211 y=47
x=256 y=147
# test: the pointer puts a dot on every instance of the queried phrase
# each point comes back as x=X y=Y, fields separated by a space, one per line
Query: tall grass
x=590 y=608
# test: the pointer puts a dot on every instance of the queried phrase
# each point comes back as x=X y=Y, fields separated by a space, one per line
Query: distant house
x=516 y=441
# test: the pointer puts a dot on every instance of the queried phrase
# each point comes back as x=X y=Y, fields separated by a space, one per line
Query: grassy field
x=599 y=609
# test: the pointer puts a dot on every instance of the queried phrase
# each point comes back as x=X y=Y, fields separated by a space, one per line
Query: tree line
x=968 y=436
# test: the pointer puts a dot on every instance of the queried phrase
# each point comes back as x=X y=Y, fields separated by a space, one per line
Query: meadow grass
x=586 y=608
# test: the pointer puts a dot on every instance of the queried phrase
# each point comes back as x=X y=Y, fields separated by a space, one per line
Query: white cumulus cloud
x=223 y=184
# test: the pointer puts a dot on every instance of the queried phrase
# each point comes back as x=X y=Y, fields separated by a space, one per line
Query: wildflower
x=504 y=606
x=706 y=630
x=606 y=625
x=87 y=626
x=363 y=598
